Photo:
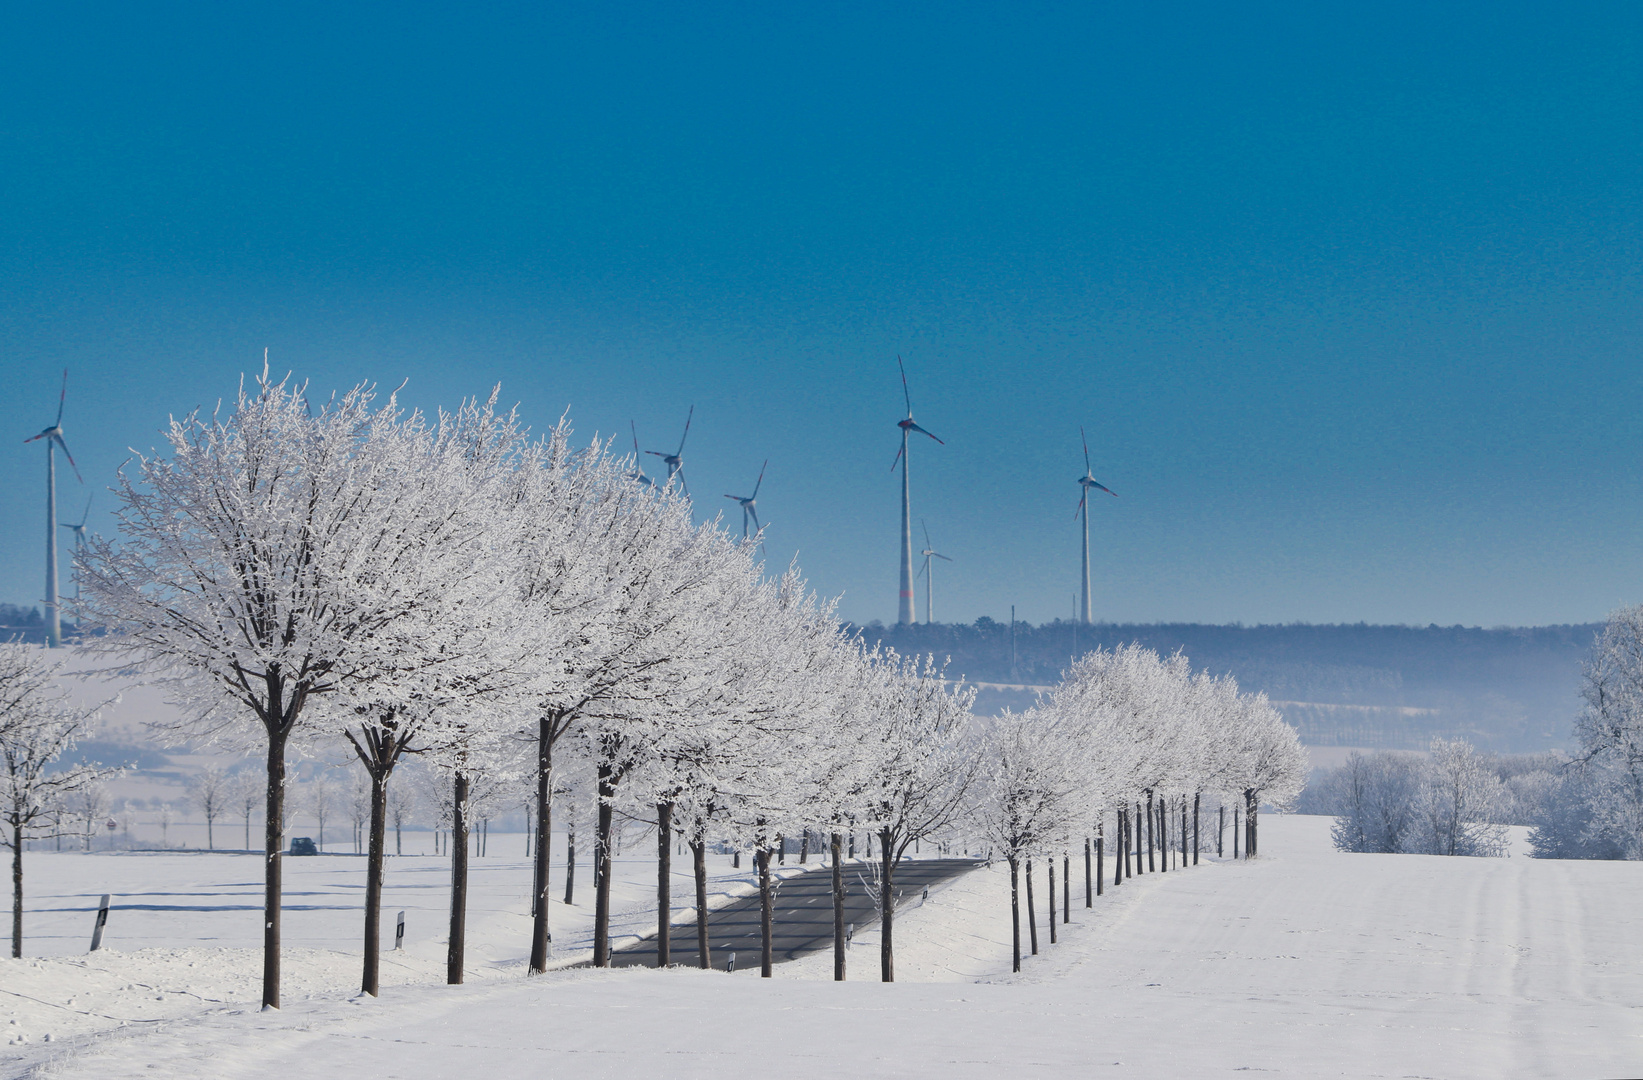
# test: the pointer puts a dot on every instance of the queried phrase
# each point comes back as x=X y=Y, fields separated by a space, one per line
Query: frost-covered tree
x=921 y=760
x=1373 y=798
x=38 y=725
x=259 y=570
x=210 y=790
x=1610 y=729
x=1460 y=803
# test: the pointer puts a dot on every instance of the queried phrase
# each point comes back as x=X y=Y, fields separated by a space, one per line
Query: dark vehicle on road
x=303 y=845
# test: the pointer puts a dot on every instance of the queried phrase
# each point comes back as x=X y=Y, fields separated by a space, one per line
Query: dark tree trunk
x=887 y=909
x=1100 y=855
x=1015 y=911
x=1051 y=867
x=376 y=852
x=1251 y=826
x=1197 y=797
x=1152 y=836
x=459 y=881
x=601 y=880
x=1121 y=857
x=1032 y=916
x=1089 y=898
x=804 y=847
x=781 y=850
x=836 y=842
x=1235 y=838
x=1220 y=831
x=1184 y=830
x=570 y=866
x=16 y=887
x=272 y=842
x=761 y=862
x=664 y=882
x=541 y=928
x=698 y=860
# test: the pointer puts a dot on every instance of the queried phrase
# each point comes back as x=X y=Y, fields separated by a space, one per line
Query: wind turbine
x=1087 y=482
x=638 y=474
x=929 y=553
x=79 y=538
x=749 y=507
x=904 y=614
x=676 y=460
x=54 y=438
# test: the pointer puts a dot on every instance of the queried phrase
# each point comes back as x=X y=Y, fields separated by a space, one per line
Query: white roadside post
x=399 y=933
x=102 y=921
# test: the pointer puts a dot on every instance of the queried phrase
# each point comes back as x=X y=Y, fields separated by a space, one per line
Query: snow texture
x=1305 y=962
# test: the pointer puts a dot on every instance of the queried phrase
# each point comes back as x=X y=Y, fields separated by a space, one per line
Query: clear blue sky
x=1346 y=296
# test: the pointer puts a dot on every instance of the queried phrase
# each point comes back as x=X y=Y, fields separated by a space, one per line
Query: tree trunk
x=459 y=881
x=1089 y=899
x=273 y=840
x=373 y=884
x=1066 y=889
x=1051 y=867
x=601 y=856
x=761 y=866
x=1235 y=837
x=1121 y=864
x=16 y=888
x=570 y=864
x=1197 y=796
x=1251 y=828
x=1100 y=854
x=698 y=860
x=664 y=882
x=887 y=909
x=1015 y=911
x=804 y=847
x=1220 y=831
x=835 y=843
x=1032 y=917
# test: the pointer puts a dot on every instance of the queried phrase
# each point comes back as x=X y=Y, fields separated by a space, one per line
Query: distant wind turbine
x=676 y=460
x=54 y=439
x=929 y=553
x=904 y=613
x=1087 y=481
x=79 y=539
x=638 y=474
x=749 y=506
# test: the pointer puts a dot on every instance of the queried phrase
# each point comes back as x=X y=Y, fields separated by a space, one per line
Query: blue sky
x=1347 y=298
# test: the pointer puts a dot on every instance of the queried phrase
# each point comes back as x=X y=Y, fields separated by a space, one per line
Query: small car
x=303 y=845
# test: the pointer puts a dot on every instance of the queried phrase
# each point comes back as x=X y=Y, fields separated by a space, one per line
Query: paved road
x=803 y=915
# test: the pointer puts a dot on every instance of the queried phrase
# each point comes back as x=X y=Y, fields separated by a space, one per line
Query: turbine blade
x=62 y=397
x=938 y=555
x=736 y=497
x=1105 y=488
x=657 y=453
x=1080 y=505
x=1086 y=439
x=921 y=431
x=686 y=435
x=58 y=439
x=904 y=391
x=900 y=452
x=682 y=485
x=926 y=529
x=38 y=437
x=925 y=571
x=635 y=432
x=756 y=486
x=87 y=514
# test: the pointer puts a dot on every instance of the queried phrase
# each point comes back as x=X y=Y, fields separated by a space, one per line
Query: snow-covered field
x=1303 y=963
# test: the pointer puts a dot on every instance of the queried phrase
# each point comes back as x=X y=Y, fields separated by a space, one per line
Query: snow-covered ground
x=1304 y=963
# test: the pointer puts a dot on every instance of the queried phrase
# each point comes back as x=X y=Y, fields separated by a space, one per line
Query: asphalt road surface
x=802 y=915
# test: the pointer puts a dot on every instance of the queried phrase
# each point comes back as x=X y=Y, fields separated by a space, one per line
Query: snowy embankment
x=1303 y=963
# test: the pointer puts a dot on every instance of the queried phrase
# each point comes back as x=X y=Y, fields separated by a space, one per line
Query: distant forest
x=1511 y=689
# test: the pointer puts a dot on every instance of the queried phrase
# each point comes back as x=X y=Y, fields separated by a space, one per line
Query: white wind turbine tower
x=750 y=506
x=676 y=460
x=904 y=613
x=79 y=539
x=54 y=438
x=1087 y=482
x=929 y=553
